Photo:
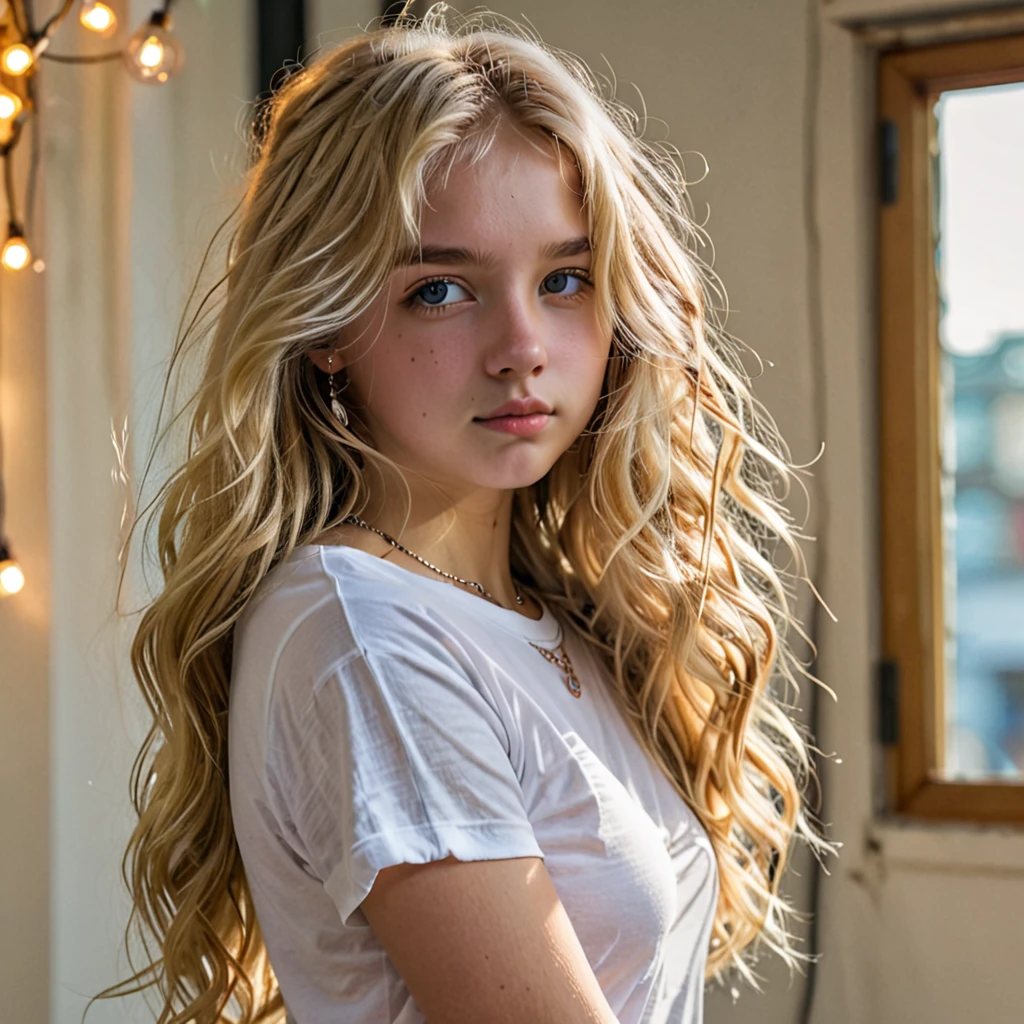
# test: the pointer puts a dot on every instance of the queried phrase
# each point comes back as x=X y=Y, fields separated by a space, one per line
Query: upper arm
x=394 y=783
x=394 y=759
x=487 y=941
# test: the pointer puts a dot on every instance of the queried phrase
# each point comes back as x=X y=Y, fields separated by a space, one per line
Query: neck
x=469 y=540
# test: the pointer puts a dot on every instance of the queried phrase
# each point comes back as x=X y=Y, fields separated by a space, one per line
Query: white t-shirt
x=378 y=717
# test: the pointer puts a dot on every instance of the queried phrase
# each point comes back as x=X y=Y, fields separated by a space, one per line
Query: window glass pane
x=978 y=169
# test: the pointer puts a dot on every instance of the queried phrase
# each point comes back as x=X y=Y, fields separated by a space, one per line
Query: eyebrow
x=457 y=255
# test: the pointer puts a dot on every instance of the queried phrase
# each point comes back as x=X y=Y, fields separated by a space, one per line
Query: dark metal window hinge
x=888 y=702
x=888 y=162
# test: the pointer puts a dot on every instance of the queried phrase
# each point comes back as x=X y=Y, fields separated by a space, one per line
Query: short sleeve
x=396 y=757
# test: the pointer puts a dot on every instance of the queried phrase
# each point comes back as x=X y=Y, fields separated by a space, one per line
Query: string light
x=10 y=105
x=12 y=579
x=98 y=17
x=16 y=252
x=16 y=59
x=151 y=55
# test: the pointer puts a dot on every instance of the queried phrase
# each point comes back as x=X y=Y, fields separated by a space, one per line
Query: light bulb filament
x=12 y=579
x=17 y=59
x=15 y=253
x=152 y=53
x=98 y=17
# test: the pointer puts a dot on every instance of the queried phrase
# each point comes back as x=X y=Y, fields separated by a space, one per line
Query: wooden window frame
x=909 y=82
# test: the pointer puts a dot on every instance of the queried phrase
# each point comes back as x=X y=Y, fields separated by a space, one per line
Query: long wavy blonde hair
x=652 y=537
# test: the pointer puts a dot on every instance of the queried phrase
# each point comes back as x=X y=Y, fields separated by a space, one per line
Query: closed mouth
x=512 y=416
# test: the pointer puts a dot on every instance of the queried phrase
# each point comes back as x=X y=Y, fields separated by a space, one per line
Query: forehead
x=523 y=185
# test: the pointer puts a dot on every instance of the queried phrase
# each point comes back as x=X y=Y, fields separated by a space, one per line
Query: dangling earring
x=336 y=407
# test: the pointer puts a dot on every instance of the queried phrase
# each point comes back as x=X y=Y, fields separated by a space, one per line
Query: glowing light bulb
x=153 y=54
x=12 y=579
x=16 y=253
x=17 y=59
x=98 y=17
x=10 y=104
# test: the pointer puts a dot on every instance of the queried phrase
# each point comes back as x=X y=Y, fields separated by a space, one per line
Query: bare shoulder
x=487 y=941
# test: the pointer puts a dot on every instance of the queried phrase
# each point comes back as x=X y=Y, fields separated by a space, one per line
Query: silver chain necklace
x=564 y=663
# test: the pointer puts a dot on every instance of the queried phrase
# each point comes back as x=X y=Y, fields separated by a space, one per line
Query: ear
x=320 y=355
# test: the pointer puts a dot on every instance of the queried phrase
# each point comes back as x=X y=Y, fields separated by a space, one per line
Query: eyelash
x=429 y=310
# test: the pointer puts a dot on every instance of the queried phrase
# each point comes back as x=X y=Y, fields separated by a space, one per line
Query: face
x=458 y=335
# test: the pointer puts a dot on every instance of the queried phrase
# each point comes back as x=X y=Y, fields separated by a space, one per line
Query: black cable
x=51 y=23
x=816 y=337
x=33 y=168
x=69 y=59
x=12 y=209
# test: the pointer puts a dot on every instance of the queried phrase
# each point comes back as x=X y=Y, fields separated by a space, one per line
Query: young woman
x=460 y=668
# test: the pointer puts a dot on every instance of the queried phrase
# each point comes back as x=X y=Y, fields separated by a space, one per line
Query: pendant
x=565 y=664
x=573 y=683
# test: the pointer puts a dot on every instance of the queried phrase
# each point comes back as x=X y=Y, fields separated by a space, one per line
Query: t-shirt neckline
x=545 y=630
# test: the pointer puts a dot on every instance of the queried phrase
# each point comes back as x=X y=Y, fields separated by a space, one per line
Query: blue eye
x=435 y=292
x=433 y=296
x=564 y=278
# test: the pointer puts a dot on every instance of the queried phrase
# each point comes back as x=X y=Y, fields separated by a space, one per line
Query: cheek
x=587 y=360
x=414 y=384
x=593 y=368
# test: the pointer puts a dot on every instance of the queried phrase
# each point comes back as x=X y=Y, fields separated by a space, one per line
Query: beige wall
x=135 y=180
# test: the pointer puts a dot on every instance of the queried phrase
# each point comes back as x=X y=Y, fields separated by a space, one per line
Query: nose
x=518 y=339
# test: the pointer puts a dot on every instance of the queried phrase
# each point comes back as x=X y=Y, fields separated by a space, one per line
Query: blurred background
x=115 y=180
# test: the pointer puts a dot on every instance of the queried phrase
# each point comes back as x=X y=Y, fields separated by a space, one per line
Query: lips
x=518 y=407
